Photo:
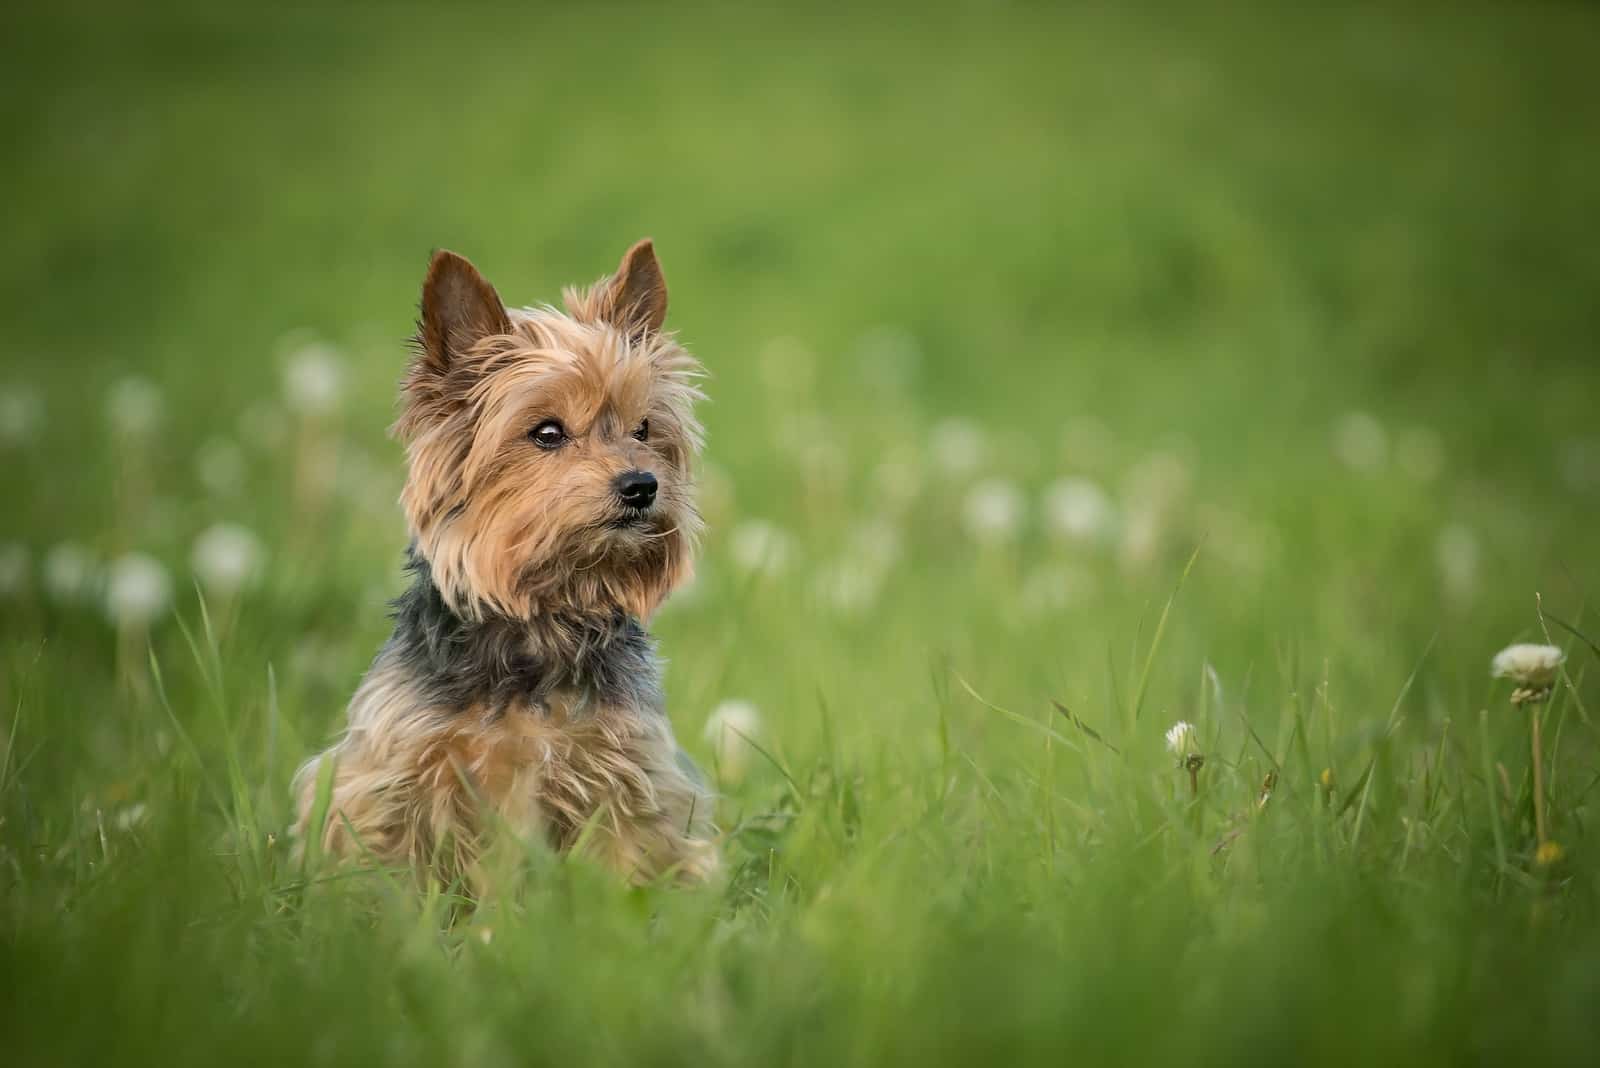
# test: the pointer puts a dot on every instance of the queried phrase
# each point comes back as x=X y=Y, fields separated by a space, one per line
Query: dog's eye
x=548 y=435
x=643 y=431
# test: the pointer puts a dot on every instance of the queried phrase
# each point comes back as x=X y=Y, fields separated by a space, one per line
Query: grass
x=1308 y=293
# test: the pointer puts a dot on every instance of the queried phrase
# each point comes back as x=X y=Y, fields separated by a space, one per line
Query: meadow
x=1072 y=373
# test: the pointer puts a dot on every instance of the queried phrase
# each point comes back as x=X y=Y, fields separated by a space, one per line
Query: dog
x=550 y=506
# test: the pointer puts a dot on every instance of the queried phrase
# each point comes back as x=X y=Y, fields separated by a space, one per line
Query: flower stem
x=1538 y=778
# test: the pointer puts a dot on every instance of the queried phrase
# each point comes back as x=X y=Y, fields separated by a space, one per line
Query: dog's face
x=549 y=454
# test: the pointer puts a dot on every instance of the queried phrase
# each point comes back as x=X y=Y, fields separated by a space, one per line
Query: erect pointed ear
x=635 y=298
x=459 y=308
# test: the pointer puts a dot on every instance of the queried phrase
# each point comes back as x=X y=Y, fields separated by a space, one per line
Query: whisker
x=663 y=534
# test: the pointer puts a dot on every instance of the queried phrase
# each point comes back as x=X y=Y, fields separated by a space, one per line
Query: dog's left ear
x=635 y=298
x=459 y=308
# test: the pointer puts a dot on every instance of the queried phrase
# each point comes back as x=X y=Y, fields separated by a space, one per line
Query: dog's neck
x=496 y=662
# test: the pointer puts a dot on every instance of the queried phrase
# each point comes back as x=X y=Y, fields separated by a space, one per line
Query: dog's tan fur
x=515 y=536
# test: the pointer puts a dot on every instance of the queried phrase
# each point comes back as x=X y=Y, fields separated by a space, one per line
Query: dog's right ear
x=459 y=309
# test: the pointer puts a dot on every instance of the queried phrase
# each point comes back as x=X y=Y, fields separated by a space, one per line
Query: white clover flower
x=69 y=572
x=21 y=412
x=759 y=547
x=1534 y=666
x=1419 y=451
x=994 y=511
x=138 y=591
x=220 y=466
x=1360 y=442
x=1459 y=557
x=958 y=446
x=1079 y=510
x=134 y=406
x=728 y=729
x=131 y=816
x=226 y=558
x=1182 y=739
x=313 y=379
x=13 y=568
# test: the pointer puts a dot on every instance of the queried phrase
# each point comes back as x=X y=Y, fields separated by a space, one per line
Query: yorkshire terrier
x=549 y=502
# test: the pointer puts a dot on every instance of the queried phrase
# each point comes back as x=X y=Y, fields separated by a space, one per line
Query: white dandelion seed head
x=134 y=406
x=759 y=547
x=226 y=558
x=1183 y=739
x=1360 y=442
x=69 y=572
x=958 y=446
x=21 y=413
x=1459 y=558
x=313 y=379
x=1528 y=665
x=727 y=729
x=1077 y=509
x=13 y=568
x=1419 y=453
x=220 y=466
x=994 y=511
x=138 y=590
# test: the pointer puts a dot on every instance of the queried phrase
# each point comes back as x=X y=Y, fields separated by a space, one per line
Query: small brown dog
x=549 y=503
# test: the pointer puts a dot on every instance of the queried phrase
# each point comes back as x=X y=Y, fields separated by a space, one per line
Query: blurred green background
x=1008 y=310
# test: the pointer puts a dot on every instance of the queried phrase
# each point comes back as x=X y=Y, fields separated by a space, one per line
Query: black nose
x=636 y=488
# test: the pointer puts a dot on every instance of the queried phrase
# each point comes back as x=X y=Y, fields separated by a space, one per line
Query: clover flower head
x=1183 y=739
x=1528 y=665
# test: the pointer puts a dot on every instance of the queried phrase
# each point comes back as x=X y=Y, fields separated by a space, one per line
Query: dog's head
x=549 y=454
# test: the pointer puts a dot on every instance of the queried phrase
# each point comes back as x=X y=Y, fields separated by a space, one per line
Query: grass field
x=1237 y=368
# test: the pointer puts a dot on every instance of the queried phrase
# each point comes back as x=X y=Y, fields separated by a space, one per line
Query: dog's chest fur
x=539 y=723
x=497 y=664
